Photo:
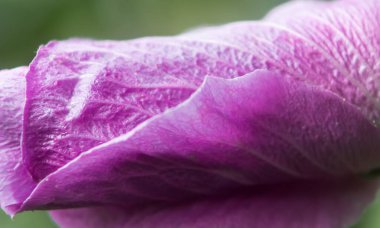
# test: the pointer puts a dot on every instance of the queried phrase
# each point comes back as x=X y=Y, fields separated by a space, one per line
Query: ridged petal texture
x=16 y=182
x=250 y=124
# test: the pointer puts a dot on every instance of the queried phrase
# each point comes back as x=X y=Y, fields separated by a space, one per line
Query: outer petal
x=307 y=205
x=83 y=93
x=231 y=134
x=16 y=184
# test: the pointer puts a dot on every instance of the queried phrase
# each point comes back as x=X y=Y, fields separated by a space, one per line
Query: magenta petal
x=334 y=45
x=16 y=184
x=307 y=205
x=347 y=32
x=231 y=134
x=158 y=127
x=78 y=89
x=81 y=93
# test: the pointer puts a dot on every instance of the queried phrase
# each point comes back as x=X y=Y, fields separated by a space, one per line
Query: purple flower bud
x=266 y=123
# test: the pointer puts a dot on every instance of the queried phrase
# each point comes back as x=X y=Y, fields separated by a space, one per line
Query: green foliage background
x=26 y=24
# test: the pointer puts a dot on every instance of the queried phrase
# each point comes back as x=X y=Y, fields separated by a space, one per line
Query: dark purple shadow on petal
x=304 y=205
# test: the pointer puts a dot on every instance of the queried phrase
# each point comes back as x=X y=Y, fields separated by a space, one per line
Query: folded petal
x=231 y=134
x=306 y=205
x=15 y=182
x=82 y=93
x=130 y=123
x=77 y=89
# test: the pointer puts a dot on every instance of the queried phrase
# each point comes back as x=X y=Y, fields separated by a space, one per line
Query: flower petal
x=231 y=134
x=78 y=89
x=119 y=123
x=82 y=93
x=13 y=174
x=334 y=45
x=348 y=32
x=319 y=204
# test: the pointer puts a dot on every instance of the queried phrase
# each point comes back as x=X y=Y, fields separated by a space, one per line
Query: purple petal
x=216 y=144
x=347 y=31
x=77 y=89
x=83 y=93
x=332 y=45
x=13 y=174
x=130 y=123
x=318 y=204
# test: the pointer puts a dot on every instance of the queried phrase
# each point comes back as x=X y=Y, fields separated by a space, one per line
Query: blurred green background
x=26 y=24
